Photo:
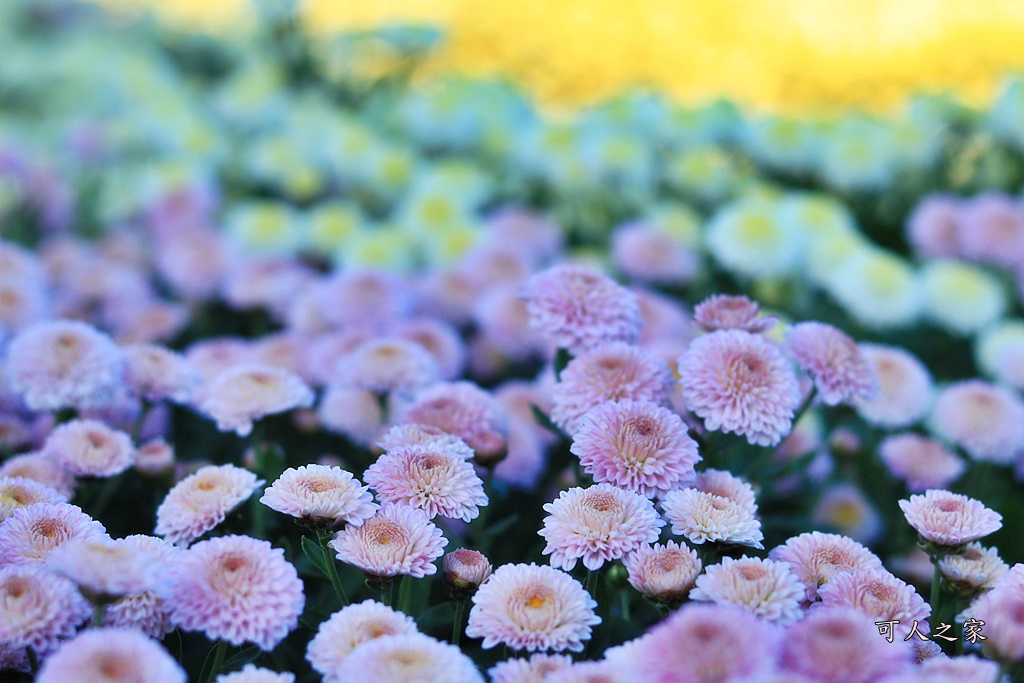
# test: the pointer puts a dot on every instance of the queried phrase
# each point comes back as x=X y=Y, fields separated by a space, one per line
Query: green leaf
x=243 y=657
x=502 y=526
x=562 y=358
x=544 y=421
x=437 y=616
x=314 y=553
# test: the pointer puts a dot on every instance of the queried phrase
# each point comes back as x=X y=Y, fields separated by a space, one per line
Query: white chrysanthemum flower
x=976 y=568
x=766 y=588
x=705 y=517
x=320 y=493
x=202 y=500
x=999 y=352
x=237 y=397
x=408 y=658
x=750 y=239
x=877 y=288
x=960 y=297
x=349 y=628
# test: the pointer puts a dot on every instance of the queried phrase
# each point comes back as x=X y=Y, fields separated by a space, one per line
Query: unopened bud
x=154 y=458
x=464 y=571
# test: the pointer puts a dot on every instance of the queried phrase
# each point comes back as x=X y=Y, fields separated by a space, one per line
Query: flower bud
x=464 y=571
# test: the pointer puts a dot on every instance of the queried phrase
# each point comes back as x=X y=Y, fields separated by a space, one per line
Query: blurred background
x=782 y=55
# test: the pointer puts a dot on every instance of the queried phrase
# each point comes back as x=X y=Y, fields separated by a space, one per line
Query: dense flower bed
x=315 y=371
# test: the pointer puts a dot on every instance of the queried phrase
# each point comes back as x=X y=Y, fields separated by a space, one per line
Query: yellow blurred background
x=789 y=55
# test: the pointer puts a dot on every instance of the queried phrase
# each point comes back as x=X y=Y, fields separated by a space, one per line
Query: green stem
x=460 y=609
x=592 y=582
x=99 y=609
x=936 y=591
x=332 y=569
x=405 y=594
x=480 y=536
x=220 y=650
x=1004 y=669
x=110 y=486
x=33 y=660
x=140 y=420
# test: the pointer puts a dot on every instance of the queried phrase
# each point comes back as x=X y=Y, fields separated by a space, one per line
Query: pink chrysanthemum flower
x=904 y=388
x=38 y=609
x=642 y=251
x=841 y=646
x=466 y=411
x=250 y=673
x=234 y=588
x=240 y=395
x=408 y=658
x=816 y=558
x=602 y=671
x=503 y=322
x=90 y=448
x=412 y=434
x=156 y=373
x=42 y=468
x=964 y=669
x=921 y=462
x=398 y=540
x=464 y=571
x=765 y=588
x=20 y=492
x=635 y=445
x=975 y=569
x=705 y=517
x=384 y=364
x=441 y=341
x=1001 y=611
x=144 y=610
x=665 y=319
x=349 y=628
x=527 y=455
x=705 y=643
x=321 y=494
x=428 y=477
x=202 y=500
x=845 y=507
x=64 y=364
x=214 y=355
x=611 y=372
x=992 y=229
x=104 y=568
x=111 y=655
x=531 y=607
x=31 y=533
x=153 y=458
x=354 y=413
x=364 y=299
x=532 y=670
x=875 y=593
x=664 y=573
x=579 y=308
x=725 y=312
x=833 y=360
x=985 y=420
x=933 y=225
x=597 y=524
x=737 y=382
x=727 y=485
x=950 y=519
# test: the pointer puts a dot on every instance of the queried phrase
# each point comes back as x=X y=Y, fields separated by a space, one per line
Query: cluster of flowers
x=306 y=347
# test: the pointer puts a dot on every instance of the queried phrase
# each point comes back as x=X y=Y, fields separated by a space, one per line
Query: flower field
x=319 y=364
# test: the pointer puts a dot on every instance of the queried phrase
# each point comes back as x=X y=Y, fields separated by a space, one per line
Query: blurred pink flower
x=112 y=655
x=240 y=395
x=833 y=360
x=408 y=658
x=985 y=420
x=904 y=388
x=919 y=461
x=90 y=448
x=37 y=609
x=31 y=533
x=349 y=628
x=816 y=558
x=20 y=492
x=202 y=500
x=725 y=312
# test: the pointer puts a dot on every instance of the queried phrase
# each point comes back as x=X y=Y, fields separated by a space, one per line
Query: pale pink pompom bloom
x=31 y=533
x=111 y=655
x=602 y=671
x=1001 y=612
x=833 y=360
x=192 y=262
x=384 y=364
x=531 y=607
x=992 y=229
x=705 y=644
x=202 y=500
x=428 y=477
x=636 y=445
x=285 y=350
x=524 y=464
x=441 y=341
x=535 y=235
x=904 y=388
x=875 y=593
x=64 y=364
x=464 y=410
x=705 y=517
x=532 y=670
x=738 y=382
x=503 y=321
x=214 y=355
x=985 y=420
x=38 y=609
x=42 y=468
x=765 y=588
x=597 y=524
x=234 y=588
x=250 y=673
x=105 y=568
x=153 y=458
x=408 y=658
x=611 y=372
x=156 y=373
x=964 y=669
x=643 y=252
x=413 y=434
x=447 y=294
x=144 y=610
x=842 y=646
x=727 y=485
x=919 y=461
x=20 y=492
x=352 y=412
x=270 y=283
x=349 y=628
x=321 y=494
x=491 y=264
x=324 y=350
x=364 y=299
x=726 y=312
x=816 y=558
x=664 y=319
x=240 y=395
x=90 y=448
x=844 y=507
x=398 y=540
x=950 y=519
x=664 y=573
x=932 y=226
x=976 y=568
x=579 y=308
x=22 y=304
